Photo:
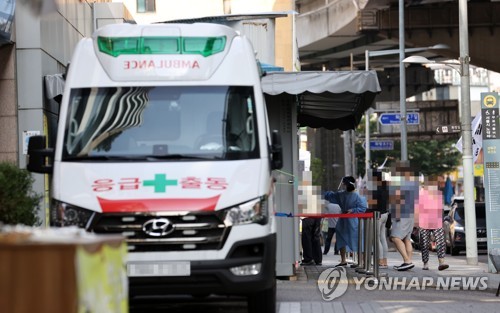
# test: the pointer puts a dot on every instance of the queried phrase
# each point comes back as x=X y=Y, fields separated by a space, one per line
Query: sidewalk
x=458 y=268
x=412 y=291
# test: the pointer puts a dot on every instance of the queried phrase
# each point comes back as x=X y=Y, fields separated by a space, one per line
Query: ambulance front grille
x=154 y=232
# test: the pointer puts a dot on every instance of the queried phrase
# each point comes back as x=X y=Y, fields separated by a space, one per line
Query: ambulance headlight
x=254 y=211
x=63 y=214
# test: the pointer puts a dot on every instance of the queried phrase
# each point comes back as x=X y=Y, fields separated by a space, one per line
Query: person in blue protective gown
x=347 y=228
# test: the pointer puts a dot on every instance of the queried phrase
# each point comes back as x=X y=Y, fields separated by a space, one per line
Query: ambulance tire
x=263 y=301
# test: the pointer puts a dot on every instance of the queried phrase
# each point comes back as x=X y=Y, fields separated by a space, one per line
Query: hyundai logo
x=158 y=227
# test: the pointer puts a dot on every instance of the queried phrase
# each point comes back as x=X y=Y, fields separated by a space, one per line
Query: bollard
x=360 y=235
x=368 y=244
x=376 y=217
x=367 y=241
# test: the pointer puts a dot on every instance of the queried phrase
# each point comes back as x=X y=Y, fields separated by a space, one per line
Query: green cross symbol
x=160 y=182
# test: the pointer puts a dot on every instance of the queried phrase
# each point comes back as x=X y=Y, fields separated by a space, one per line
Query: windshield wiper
x=105 y=158
x=132 y=158
x=179 y=156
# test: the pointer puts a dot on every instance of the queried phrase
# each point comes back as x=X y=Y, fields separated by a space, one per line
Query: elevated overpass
x=330 y=31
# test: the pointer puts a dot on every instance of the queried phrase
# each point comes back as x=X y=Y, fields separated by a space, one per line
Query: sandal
x=341 y=264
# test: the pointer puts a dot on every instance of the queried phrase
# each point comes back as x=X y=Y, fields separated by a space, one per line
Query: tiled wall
x=43 y=46
x=8 y=108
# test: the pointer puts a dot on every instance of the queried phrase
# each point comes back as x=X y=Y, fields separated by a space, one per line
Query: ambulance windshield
x=161 y=123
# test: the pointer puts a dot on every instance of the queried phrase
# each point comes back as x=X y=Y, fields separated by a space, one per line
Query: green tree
x=434 y=157
x=431 y=157
x=317 y=171
x=18 y=203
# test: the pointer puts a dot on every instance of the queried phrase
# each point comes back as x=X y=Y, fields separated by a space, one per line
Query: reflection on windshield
x=187 y=122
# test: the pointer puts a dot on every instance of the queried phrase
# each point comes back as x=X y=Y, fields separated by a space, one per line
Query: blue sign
x=380 y=145
x=394 y=118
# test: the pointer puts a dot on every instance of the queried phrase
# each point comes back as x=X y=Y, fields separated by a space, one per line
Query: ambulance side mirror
x=276 y=151
x=40 y=158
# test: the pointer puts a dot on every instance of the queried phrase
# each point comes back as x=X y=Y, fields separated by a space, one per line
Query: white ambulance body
x=163 y=137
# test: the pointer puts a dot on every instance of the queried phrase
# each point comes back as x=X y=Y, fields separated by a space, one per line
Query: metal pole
x=353 y=153
x=367 y=127
x=348 y=141
x=347 y=134
x=467 y=160
x=347 y=153
x=402 y=81
x=360 y=235
x=376 y=217
x=367 y=243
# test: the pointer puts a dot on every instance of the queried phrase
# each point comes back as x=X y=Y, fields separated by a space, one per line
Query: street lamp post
x=376 y=53
x=469 y=206
x=467 y=159
x=402 y=82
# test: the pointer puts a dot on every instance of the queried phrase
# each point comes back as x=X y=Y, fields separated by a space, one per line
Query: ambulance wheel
x=263 y=301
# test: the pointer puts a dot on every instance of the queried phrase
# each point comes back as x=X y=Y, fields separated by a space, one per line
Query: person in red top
x=429 y=216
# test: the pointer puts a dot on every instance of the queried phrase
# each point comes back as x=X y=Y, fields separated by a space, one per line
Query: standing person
x=324 y=230
x=403 y=193
x=347 y=228
x=378 y=201
x=331 y=208
x=311 y=242
x=429 y=210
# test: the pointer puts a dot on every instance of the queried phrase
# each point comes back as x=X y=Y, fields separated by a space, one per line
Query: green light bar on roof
x=205 y=46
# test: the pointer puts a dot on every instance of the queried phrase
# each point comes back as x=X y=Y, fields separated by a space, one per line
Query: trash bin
x=62 y=271
x=494 y=255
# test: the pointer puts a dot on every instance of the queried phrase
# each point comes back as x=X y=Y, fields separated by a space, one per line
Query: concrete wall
x=44 y=46
x=320 y=21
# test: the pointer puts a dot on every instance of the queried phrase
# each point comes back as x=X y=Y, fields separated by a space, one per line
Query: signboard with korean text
x=431 y=115
x=395 y=118
x=444 y=129
x=380 y=145
x=491 y=152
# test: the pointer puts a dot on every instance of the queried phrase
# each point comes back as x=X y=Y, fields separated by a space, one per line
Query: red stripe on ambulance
x=158 y=205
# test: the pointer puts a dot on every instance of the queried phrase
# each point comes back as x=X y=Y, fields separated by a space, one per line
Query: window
x=146 y=6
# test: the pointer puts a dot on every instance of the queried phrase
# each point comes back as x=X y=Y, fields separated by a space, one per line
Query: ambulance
x=163 y=137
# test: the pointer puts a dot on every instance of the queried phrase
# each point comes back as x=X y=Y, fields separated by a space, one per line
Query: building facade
x=32 y=62
x=40 y=44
